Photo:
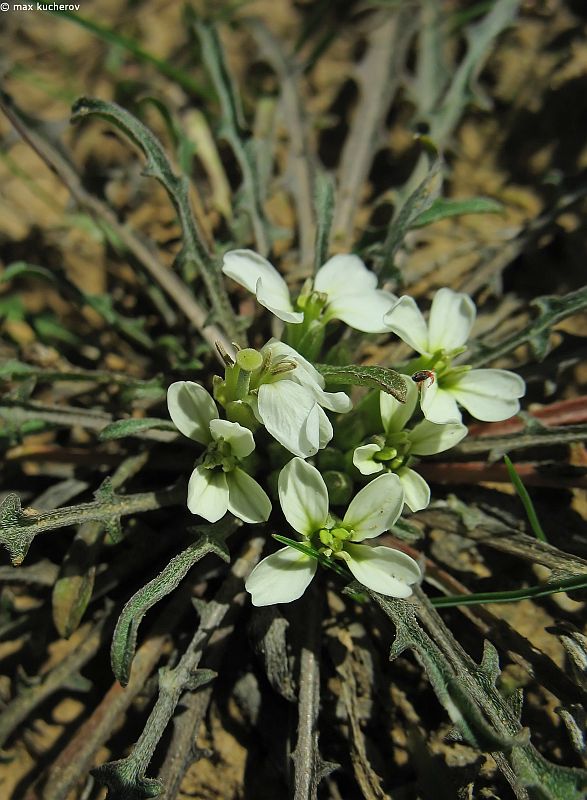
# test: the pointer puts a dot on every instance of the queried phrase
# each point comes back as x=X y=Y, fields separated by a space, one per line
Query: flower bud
x=339 y=485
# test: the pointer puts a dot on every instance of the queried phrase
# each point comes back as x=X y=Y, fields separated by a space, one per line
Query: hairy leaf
x=417 y=203
x=382 y=378
x=193 y=254
x=442 y=208
x=130 y=427
x=552 y=309
x=125 y=635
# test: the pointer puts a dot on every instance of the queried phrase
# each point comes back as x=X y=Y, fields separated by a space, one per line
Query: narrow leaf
x=421 y=199
x=526 y=500
x=131 y=427
x=442 y=208
x=193 y=253
x=22 y=269
x=382 y=378
x=112 y=36
x=125 y=635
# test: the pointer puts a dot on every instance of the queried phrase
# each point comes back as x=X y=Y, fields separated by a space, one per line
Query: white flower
x=290 y=400
x=217 y=484
x=285 y=575
x=394 y=451
x=349 y=290
x=487 y=394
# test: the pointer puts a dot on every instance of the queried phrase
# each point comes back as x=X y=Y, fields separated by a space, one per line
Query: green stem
x=576 y=582
x=526 y=501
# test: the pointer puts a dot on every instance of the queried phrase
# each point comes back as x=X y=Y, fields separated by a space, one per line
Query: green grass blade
x=526 y=501
x=576 y=582
x=128 y=44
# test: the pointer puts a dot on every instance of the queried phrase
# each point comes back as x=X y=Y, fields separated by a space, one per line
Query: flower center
x=219 y=455
x=395 y=450
x=440 y=362
x=330 y=541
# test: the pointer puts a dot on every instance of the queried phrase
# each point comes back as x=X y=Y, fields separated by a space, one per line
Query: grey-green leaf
x=442 y=208
x=382 y=378
x=125 y=635
x=130 y=427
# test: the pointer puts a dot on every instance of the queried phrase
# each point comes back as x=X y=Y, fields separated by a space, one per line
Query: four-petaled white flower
x=285 y=575
x=289 y=400
x=349 y=290
x=487 y=394
x=217 y=484
x=394 y=451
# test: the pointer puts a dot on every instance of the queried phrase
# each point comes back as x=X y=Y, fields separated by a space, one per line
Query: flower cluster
x=218 y=483
x=487 y=394
x=395 y=449
x=276 y=393
x=284 y=576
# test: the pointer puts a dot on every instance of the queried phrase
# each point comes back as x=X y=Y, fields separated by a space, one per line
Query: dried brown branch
x=181 y=751
x=300 y=158
x=306 y=757
x=74 y=762
x=378 y=75
x=126 y=776
x=475 y=472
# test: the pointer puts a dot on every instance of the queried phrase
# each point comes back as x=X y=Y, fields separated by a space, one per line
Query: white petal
x=334 y=401
x=256 y=274
x=363 y=459
x=407 y=322
x=438 y=405
x=427 y=438
x=276 y=304
x=346 y=274
x=208 y=494
x=285 y=408
x=451 y=318
x=246 y=499
x=375 y=508
x=417 y=491
x=281 y=577
x=363 y=311
x=309 y=440
x=325 y=432
x=490 y=394
x=305 y=373
x=383 y=569
x=191 y=408
x=303 y=496
x=394 y=414
x=240 y=438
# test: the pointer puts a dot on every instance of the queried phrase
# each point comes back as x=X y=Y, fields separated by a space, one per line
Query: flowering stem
x=570 y=584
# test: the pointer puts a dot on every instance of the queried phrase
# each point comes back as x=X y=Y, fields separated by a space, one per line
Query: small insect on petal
x=421 y=377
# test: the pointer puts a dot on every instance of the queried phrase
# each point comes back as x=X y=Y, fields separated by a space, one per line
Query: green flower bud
x=330 y=459
x=339 y=485
x=237 y=411
x=386 y=454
